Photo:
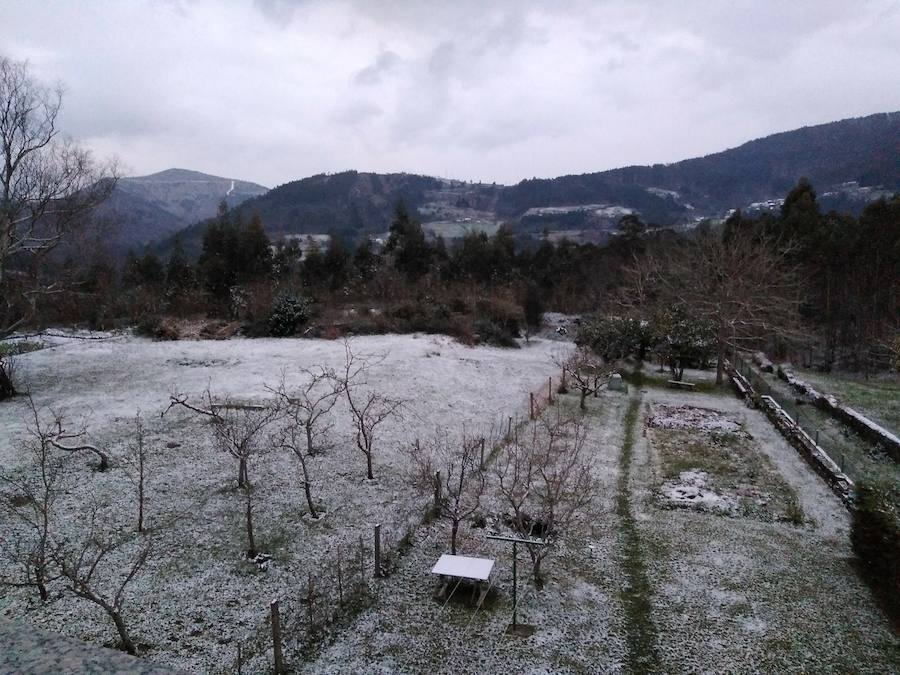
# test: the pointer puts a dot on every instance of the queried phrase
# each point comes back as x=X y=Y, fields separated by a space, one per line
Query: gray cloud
x=273 y=90
x=385 y=62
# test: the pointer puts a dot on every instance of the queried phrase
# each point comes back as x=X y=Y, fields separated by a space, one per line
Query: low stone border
x=855 y=420
x=814 y=455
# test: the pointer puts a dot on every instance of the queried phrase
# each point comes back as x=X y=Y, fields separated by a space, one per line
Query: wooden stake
x=340 y=579
x=276 y=638
x=531 y=405
x=240 y=660
x=309 y=604
x=550 y=389
x=481 y=463
x=509 y=430
x=377 y=550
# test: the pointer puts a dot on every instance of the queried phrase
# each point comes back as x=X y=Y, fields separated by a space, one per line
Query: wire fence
x=817 y=424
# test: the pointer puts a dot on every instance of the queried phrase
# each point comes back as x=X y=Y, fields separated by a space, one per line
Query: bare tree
x=30 y=497
x=547 y=482
x=744 y=286
x=586 y=372
x=368 y=408
x=306 y=409
x=237 y=427
x=451 y=466
x=136 y=464
x=92 y=574
x=48 y=187
x=62 y=438
x=309 y=404
x=238 y=430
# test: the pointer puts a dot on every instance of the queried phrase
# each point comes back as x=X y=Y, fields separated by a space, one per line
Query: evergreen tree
x=412 y=255
x=179 y=274
x=336 y=262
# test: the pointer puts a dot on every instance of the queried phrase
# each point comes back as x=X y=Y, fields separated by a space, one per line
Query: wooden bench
x=678 y=384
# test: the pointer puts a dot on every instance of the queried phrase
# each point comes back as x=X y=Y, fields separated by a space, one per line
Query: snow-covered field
x=197 y=596
x=633 y=583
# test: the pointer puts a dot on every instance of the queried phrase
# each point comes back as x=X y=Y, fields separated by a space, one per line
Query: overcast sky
x=275 y=90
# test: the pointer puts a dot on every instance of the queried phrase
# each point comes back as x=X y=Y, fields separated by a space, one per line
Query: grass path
x=643 y=656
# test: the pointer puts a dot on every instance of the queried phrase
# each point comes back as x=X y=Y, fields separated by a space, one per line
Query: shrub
x=876 y=540
x=494 y=333
x=148 y=325
x=288 y=313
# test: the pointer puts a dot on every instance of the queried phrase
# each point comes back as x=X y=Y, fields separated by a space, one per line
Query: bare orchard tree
x=547 y=482
x=369 y=409
x=744 y=286
x=67 y=439
x=48 y=187
x=136 y=464
x=30 y=498
x=92 y=568
x=586 y=372
x=237 y=429
x=451 y=466
x=306 y=409
x=309 y=404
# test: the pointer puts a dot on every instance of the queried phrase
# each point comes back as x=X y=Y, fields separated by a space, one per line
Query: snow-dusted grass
x=877 y=397
x=709 y=462
x=857 y=456
x=712 y=593
x=743 y=595
x=198 y=595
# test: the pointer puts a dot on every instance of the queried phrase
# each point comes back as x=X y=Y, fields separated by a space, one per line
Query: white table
x=463 y=567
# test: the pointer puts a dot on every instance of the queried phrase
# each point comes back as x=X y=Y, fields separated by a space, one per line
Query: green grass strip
x=636 y=596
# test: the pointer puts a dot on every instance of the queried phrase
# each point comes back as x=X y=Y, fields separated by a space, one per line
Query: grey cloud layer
x=272 y=90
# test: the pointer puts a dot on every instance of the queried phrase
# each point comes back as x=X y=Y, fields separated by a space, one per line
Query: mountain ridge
x=849 y=162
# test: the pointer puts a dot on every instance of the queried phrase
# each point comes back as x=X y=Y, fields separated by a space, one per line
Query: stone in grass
x=616 y=383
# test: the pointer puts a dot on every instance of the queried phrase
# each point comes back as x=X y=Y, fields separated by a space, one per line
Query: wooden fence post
x=550 y=389
x=240 y=660
x=362 y=562
x=276 y=637
x=340 y=579
x=509 y=429
x=531 y=405
x=377 y=550
x=309 y=604
x=481 y=463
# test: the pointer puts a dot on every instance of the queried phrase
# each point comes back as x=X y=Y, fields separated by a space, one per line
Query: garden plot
x=710 y=463
x=198 y=595
x=745 y=594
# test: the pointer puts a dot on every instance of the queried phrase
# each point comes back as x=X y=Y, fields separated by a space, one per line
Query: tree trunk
x=7 y=390
x=453 y=530
x=720 y=360
x=242 y=473
x=369 y=465
x=251 y=543
x=582 y=403
x=141 y=502
x=40 y=582
x=125 y=640
x=309 y=439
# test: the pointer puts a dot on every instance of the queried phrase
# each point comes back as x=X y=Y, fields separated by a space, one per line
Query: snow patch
x=691 y=418
x=692 y=490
